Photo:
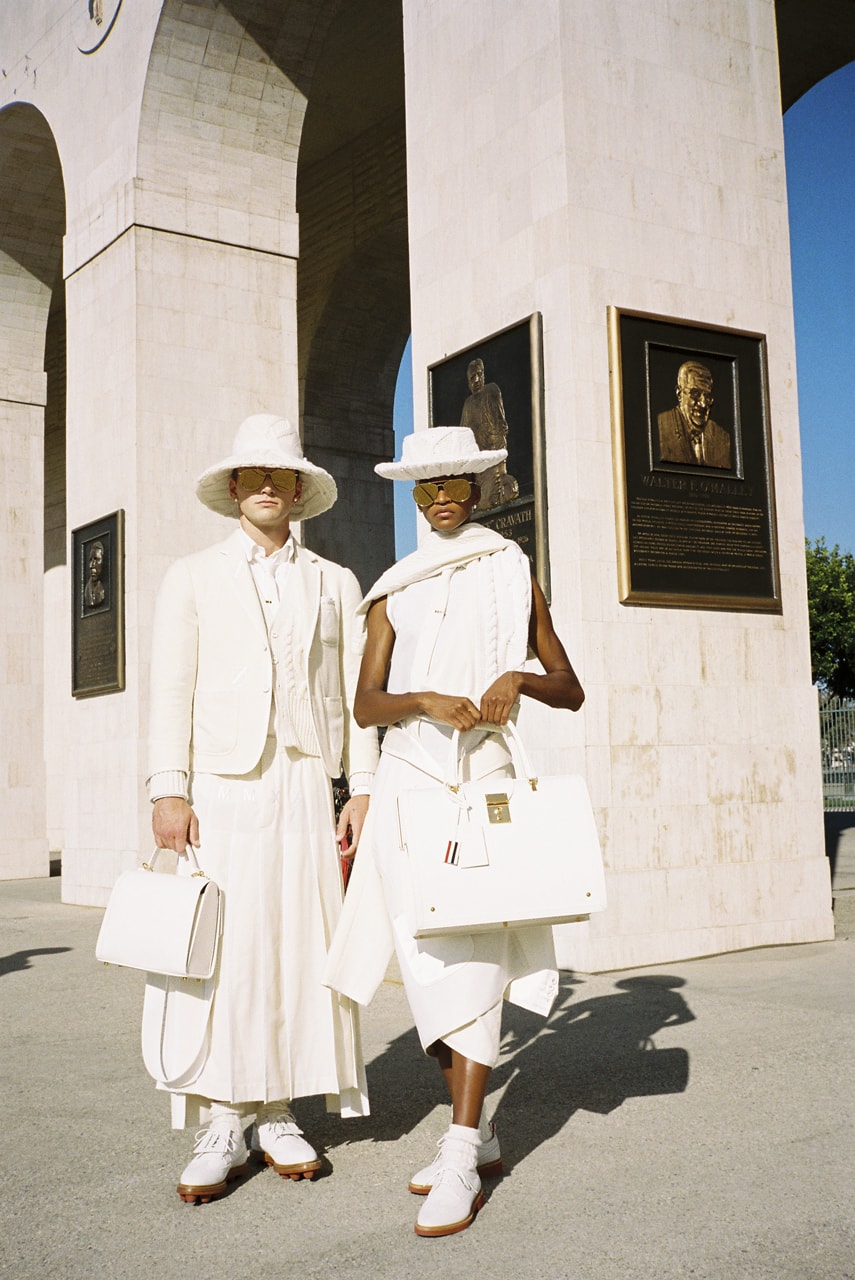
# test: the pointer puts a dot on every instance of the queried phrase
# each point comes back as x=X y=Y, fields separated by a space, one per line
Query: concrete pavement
x=725 y=1151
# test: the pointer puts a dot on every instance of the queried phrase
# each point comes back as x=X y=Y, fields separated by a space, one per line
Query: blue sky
x=820 y=151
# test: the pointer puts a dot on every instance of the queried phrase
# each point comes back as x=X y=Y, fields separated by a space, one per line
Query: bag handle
x=519 y=757
x=191 y=857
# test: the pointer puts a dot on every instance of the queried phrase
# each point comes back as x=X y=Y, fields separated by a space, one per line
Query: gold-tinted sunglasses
x=457 y=489
x=254 y=477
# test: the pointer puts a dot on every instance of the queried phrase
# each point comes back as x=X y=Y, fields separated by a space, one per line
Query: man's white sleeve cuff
x=360 y=783
x=170 y=782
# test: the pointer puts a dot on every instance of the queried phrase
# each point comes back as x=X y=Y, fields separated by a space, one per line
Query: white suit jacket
x=212 y=668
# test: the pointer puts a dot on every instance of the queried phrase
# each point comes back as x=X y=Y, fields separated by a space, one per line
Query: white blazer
x=212 y=668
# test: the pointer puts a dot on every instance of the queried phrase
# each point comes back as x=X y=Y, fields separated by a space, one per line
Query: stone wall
x=634 y=157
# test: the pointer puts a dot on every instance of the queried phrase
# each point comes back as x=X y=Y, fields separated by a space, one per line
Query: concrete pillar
x=23 y=842
x=634 y=157
x=172 y=341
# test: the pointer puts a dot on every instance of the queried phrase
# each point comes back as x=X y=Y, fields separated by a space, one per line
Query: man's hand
x=174 y=824
x=352 y=815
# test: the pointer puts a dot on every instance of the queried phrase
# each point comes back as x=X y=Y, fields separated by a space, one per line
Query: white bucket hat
x=266 y=440
x=440 y=451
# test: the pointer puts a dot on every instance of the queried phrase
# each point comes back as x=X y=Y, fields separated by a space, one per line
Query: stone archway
x=32 y=431
x=349 y=391
x=814 y=40
x=279 y=108
x=353 y=298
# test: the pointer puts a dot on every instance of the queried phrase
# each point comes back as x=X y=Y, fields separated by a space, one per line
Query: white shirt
x=269 y=572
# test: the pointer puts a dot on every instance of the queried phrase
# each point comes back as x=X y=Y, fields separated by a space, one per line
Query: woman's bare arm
x=558 y=687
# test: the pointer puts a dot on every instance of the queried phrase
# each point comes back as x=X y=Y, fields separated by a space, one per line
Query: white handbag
x=496 y=854
x=164 y=924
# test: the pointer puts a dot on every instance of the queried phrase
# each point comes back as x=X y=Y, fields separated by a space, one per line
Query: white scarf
x=505 y=594
x=437 y=552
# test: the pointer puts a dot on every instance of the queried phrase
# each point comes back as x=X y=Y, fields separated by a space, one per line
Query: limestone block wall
x=21 y=657
x=29 y=261
x=634 y=157
x=172 y=341
x=177 y=146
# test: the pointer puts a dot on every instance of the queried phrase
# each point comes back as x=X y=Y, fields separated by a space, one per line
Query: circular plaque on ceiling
x=93 y=22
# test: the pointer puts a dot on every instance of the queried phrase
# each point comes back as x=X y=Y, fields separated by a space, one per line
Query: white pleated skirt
x=276 y=1031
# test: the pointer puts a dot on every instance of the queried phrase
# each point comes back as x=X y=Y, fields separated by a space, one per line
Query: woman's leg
x=440 y=1050
x=455 y=1193
x=468 y=1085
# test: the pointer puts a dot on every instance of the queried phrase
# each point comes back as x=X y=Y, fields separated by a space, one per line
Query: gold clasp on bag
x=498 y=807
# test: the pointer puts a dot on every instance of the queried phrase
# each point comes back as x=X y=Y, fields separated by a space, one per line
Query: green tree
x=831 y=604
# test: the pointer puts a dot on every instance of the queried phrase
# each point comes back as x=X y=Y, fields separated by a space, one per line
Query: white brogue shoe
x=456 y=1195
x=285 y=1148
x=489 y=1160
x=219 y=1155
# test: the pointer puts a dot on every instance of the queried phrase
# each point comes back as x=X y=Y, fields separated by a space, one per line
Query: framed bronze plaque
x=694 y=492
x=97 y=595
x=496 y=388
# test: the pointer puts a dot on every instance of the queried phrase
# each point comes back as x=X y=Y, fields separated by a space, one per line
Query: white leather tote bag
x=491 y=855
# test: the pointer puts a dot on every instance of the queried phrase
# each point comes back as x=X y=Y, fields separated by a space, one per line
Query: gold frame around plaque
x=704 y=495
x=512 y=360
x=98 y=606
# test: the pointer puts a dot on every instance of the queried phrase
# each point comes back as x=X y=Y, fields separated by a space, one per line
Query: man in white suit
x=255 y=657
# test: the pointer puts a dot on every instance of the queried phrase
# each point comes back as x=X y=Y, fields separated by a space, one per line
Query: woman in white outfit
x=449 y=631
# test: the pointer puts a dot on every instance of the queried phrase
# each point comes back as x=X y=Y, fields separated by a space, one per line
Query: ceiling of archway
x=815 y=38
x=359 y=80
x=349 y=62
x=32 y=196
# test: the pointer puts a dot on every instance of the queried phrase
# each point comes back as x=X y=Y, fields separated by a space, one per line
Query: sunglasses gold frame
x=284 y=478
x=456 y=489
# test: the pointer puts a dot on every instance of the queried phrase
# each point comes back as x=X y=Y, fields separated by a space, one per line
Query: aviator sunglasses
x=253 y=477
x=458 y=489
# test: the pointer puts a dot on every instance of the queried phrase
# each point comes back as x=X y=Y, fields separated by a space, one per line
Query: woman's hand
x=497 y=702
x=459 y=712
x=174 y=824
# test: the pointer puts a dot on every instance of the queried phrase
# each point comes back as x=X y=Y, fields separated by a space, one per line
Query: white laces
x=282 y=1126
x=447 y=1171
x=219 y=1139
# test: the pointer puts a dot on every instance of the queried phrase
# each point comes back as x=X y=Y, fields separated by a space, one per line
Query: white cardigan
x=212 y=667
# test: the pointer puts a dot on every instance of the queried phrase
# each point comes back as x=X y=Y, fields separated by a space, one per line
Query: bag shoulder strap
x=176 y=1010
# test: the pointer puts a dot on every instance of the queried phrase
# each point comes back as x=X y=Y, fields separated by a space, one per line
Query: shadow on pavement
x=19 y=960
x=591 y=1055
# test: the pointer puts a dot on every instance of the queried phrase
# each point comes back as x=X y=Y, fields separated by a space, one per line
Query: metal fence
x=837 y=733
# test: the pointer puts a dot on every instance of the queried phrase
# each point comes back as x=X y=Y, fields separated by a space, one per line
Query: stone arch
x=222 y=118
x=32 y=430
x=814 y=40
x=353 y=295
x=252 y=110
x=351 y=370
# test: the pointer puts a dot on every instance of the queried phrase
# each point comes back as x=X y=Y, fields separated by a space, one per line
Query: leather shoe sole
x=449 y=1228
x=205 y=1194
x=295 y=1172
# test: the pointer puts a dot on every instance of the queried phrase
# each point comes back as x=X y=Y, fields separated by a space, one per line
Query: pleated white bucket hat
x=266 y=440
x=440 y=451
